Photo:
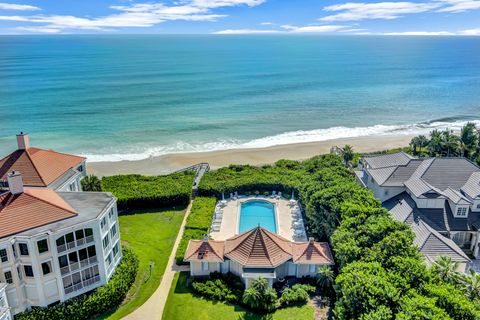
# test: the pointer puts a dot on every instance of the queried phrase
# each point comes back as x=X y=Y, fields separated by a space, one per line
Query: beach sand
x=172 y=162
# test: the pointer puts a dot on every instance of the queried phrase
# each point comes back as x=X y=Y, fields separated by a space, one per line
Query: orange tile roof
x=199 y=250
x=39 y=167
x=312 y=252
x=33 y=208
x=259 y=248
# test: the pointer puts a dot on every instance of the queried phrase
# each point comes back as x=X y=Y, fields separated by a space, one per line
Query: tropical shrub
x=89 y=305
x=297 y=294
x=135 y=191
x=197 y=225
x=457 y=305
x=219 y=287
x=91 y=183
x=416 y=306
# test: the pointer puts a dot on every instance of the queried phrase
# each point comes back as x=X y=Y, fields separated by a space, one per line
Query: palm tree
x=348 y=154
x=418 y=142
x=435 y=145
x=325 y=278
x=446 y=269
x=414 y=144
x=251 y=297
x=468 y=139
x=260 y=296
x=450 y=142
x=472 y=285
x=91 y=183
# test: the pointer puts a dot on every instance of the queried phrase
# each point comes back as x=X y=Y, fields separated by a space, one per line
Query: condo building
x=56 y=241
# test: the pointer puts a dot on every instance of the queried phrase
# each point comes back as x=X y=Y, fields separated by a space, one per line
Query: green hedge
x=135 y=191
x=99 y=301
x=198 y=222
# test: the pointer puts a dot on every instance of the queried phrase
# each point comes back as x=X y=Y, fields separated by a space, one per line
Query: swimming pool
x=256 y=213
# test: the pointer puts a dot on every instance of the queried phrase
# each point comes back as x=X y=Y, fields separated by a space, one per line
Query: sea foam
x=291 y=137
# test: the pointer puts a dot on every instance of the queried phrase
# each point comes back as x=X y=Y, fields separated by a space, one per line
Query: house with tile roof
x=43 y=168
x=258 y=253
x=442 y=195
x=55 y=242
x=4 y=308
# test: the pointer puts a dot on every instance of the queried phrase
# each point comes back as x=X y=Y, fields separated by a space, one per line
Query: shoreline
x=258 y=156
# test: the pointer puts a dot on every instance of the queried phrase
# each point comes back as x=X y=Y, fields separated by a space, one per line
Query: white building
x=4 y=308
x=440 y=196
x=56 y=242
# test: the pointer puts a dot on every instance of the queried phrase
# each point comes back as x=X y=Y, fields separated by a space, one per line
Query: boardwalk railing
x=200 y=169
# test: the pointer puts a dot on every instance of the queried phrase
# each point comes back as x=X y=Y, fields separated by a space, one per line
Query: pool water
x=256 y=213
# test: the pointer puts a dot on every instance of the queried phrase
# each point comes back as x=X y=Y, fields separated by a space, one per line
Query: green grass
x=182 y=304
x=151 y=236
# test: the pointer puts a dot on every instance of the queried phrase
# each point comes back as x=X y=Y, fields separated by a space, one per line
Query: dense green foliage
x=220 y=287
x=297 y=294
x=380 y=269
x=446 y=143
x=91 y=183
x=198 y=222
x=260 y=297
x=89 y=305
x=135 y=191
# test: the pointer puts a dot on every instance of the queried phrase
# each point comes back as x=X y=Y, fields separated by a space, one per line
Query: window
x=88 y=232
x=73 y=257
x=83 y=254
x=73 y=186
x=60 y=241
x=115 y=250
x=8 y=276
x=42 y=246
x=478 y=206
x=23 y=249
x=385 y=192
x=105 y=242
x=69 y=237
x=204 y=266
x=28 y=271
x=311 y=268
x=14 y=251
x=46 y=267
x=19 y=273
x=111 y=213
x=461 y=212
x=91 y=251
x=3 y=255
x=63 y=261
x=108 y=261
x=79 y=234
x=113 y=231
x=80 y=168
x=103 y=223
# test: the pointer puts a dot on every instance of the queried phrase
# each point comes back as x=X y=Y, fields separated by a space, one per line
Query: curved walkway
x=153 y=307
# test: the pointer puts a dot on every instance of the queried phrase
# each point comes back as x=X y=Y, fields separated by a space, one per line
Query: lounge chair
x=279 y=195
x=274 y=194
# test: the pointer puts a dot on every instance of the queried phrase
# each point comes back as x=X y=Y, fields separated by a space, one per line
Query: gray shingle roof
x=433 y=245
x=387 y=160
x=449 y=172
x=472 y=187
x=456 y=196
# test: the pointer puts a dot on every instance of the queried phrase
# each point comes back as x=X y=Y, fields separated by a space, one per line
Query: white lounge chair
x=274 y=194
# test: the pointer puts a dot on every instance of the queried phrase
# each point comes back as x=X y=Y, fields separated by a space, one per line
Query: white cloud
x=38 y=30
x=138 y=15
x=420 y=33
x=313 y=29
x=471 y=32
x=267 y=23
x=351 y=11
x=246 y=31
x=19 y=7
x=455 y=6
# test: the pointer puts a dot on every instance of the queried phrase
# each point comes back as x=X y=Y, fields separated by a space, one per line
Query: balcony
x=74 y=244
x=78 y=265
x=83 y=284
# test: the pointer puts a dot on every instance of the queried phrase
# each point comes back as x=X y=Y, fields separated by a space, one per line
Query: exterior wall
x=382 y=193
x=281 y=271
x=82 y=273
x=429 y=203
x=476 y=205
x=197 y=270
x=303 y=270
x=4 y=307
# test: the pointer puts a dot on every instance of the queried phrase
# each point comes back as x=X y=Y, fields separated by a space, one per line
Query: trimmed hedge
x=135 y=191
x=93 y=304
x=198 y=222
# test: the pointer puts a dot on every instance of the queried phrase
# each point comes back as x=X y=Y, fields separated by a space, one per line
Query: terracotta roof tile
x=312 y=252
x=33 y=208
x=39 y=167
x=199 y=250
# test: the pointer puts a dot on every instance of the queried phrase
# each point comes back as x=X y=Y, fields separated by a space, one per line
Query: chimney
x=205 y=238
x=311 y=240
x=15 y=182
x=23 y=141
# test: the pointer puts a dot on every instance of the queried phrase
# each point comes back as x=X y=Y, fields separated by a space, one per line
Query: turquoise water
x=256 y=213
x=129 y=97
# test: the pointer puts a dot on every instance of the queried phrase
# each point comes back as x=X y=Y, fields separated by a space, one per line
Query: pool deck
x=231 y=212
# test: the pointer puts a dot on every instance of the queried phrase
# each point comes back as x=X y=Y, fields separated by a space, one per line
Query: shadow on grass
x=182 y=284
x=129 y=212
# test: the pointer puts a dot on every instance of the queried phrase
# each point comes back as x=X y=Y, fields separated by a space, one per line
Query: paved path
x=153 y=307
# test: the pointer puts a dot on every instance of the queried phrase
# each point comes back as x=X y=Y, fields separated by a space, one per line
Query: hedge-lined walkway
x=153 y=307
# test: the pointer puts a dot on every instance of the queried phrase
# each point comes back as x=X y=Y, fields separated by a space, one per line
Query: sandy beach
x=172 y=162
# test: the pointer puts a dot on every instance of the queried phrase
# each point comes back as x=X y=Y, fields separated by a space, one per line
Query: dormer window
x=461 y=212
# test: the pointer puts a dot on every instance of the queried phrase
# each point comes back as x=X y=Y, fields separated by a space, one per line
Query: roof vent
x=23 y=141
x=311 y=240
x=205 y=238
x=15 y=182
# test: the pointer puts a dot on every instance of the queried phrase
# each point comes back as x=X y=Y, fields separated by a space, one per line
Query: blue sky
x=426 y=17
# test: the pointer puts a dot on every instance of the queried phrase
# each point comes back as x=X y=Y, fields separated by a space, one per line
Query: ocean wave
x=291 y=137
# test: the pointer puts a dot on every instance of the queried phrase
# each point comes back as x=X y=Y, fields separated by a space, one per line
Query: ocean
x=128 y=97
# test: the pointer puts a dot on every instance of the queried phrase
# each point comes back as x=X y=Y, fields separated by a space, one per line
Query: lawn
x=151 y=236
x=182 y=304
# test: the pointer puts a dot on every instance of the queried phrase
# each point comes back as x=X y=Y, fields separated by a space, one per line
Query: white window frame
x=6 y=255
x=461 y=212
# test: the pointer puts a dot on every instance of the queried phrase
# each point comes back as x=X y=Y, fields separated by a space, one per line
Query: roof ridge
x=62 y=153
x=442 y=238
x=53 y=204
x=34 y=166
